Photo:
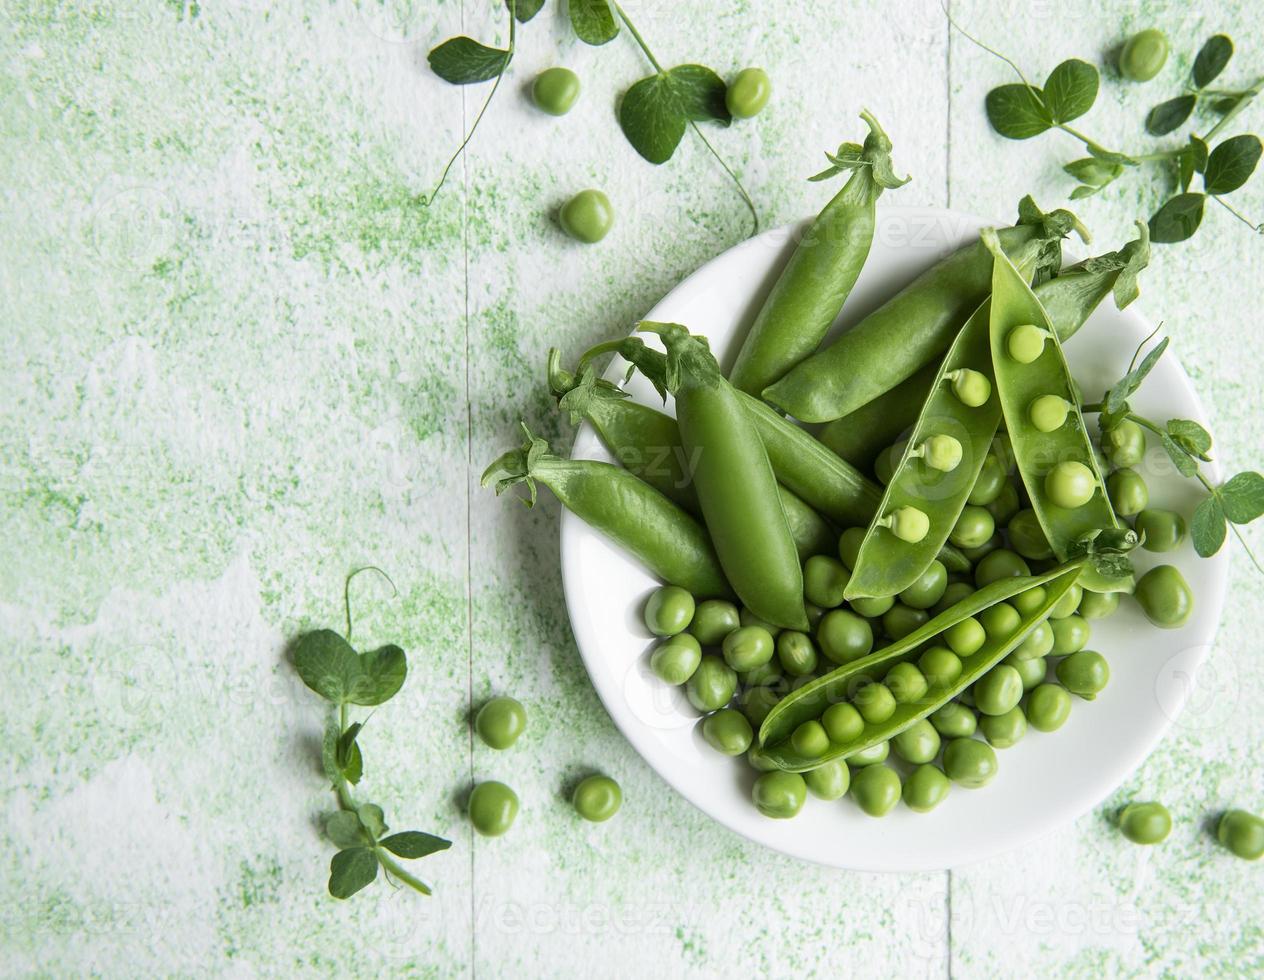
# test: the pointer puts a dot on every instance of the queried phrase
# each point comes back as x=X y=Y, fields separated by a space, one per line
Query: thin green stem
x=1088 y=141
x=1258 y=229
x=1244 y=100
x=346 y=591
x=606 y=347
x=393 y=870
x=636 y=36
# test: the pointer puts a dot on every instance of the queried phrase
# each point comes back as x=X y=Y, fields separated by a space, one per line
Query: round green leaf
x=1211 y=60
x=327 y=664
x=414 y=844
x=463 y=61
x=350 y=870
x=1169 y=115
x=1017 y=112
x=700 y=93
x=593 y=21
x=1070 y=90
x=652 y=119
x=1242 y=497
x=1231 y=164
x=1178 y=219
x=1207 y=529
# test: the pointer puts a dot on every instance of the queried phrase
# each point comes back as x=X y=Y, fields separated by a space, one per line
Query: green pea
x=1067 y=604
x=970 y=762
x=972 y=388
x=1005 y=730
x=587 y=217
x=555 y=90
x=876 y=789
x=842 y=722
x=974 y=526
x=1161 y=530
x=1000 y=621
x=824 y=580
x=1006 y=505
x=830 y=781
x=1027 y=537
x=759 y=760
x=500 y=721
x=906 y=683
x=492 y=808
x=796 y=653
x=1242 y=833
x=1032 y=670
x=1037 y=643
x=1145 y=823
x=899 y=621
x=1030 y=600
x=1070 y=484
x=939 y=665
x=875 y=702
x=1128 y=492
x=954 y=593
x=990 y=482
x=779 y=795
x=764 y=675
x=917 y=744
x=1098 y=605
x=598 y=798
x=668 y=611
x=954 y=720
x=748 y=93
x=928 y=589
x=1125 y=444
x=810 y=740
x=1069 y=635
x=712 y=685
x=873 y=608
x=849 y=543
x=966 y=637
x=871 y=756
x=976 y=555
x=1143 y=55
x=1165 y=597
x=999 y=564
x=884 y=466
x=756 y=703
x=1048 y=413
x=1048 y=707
x=843 y=636
x=940 y=452
x=748 y=647
x=676 y=659
x=727 y=731
x=998 y=691
x=1025 y=343
x=1085 y=673
x=925 y=788
x=815 y=614
x=713 y=620
x=907 y=523
x=748 y=618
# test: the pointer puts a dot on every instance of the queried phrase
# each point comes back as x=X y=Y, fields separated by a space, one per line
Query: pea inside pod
x=1057 y=464
x=791 y=734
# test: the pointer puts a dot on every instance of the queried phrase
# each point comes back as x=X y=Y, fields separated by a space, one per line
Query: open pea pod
x=809 y=701
x=1042 y=413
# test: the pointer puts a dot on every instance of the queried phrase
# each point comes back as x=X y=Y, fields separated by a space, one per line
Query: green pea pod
x=818 y=278
x=823 y=482
x=809 y=701
x=1069 y=298
x=916 y=325
x=734 y=481
x=671 y=543
x=1019 y=385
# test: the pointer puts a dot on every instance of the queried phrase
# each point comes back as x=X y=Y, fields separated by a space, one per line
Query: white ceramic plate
x=1043 y=781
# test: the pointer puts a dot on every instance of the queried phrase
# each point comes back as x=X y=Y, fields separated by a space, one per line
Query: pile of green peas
x=493 y=806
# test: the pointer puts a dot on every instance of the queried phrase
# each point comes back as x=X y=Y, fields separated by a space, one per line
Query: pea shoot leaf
x=343 y=828
x=350 y=870
x=1017 y=111
x=1191 y=437
x=347 y=754
x=327 y=664
x=414 y=844
x=1191 y=160
x=382 y=674
x=464 y=61
x=1231 y=164
x=1122 y=390
x=372 y=819
x=1207 y=529
x=329 y=754
x=593 y=21
x=655 y=111
x=1180 y=458
x=1070 y=90
x=1178 y=219
x=1170 y=115
x=1093 y=175
x=1211 y=60
x=524 y=10
x=1242 y=497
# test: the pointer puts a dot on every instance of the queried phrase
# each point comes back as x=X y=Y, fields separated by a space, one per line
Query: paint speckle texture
x=241 y=356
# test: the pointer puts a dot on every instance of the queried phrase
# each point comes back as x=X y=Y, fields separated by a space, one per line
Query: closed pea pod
x=1058 y=467
x=817 y=279
x=671 y=543
x=858 y=681
x=734 y=481
x=913 y=327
